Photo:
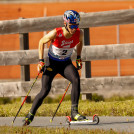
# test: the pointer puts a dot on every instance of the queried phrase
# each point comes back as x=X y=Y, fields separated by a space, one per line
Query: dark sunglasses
x=73 y=26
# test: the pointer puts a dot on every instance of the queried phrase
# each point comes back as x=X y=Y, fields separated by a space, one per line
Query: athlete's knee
x=44 y=91
x=76 y=80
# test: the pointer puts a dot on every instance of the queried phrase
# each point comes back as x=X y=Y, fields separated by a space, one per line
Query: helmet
x=71 y=16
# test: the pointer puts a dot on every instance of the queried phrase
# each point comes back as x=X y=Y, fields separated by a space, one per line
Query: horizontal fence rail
x=109 y=85
x=95 y=52
x=93 y=19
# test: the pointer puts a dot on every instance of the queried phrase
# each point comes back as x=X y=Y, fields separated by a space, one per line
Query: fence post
x=25 y=70
x=86 y=69
x=118 y=42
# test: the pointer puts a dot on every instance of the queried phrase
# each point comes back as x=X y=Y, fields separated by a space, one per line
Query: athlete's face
x=72 y=28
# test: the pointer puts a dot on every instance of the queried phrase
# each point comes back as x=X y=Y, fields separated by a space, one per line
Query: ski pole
x=25 y=98
x=60 y=102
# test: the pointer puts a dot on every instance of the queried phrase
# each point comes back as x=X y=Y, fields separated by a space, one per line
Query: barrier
x=99 y=52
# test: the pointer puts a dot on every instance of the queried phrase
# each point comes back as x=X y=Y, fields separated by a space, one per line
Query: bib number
x=64 y=52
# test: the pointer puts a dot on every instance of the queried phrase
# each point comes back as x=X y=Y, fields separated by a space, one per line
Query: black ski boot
x=75 y=116
x=28 y=119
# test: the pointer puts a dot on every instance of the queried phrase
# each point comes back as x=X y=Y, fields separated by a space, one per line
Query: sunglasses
x=73 y=26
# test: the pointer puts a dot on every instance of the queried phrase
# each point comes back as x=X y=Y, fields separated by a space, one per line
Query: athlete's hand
x=79 y=62
x=40 y=66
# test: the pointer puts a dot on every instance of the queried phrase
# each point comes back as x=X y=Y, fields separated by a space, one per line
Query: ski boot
x=28 y=119
x=75 y=116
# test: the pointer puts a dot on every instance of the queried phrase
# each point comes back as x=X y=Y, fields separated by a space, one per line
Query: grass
x=115 y=106
x=122 y=108
x=34 y=130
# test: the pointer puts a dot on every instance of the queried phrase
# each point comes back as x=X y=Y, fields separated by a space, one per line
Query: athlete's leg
x=71 y=73
x=46 y=86
x=47 y=78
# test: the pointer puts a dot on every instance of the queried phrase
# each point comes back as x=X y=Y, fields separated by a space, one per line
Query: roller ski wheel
x=95 y=120
x=26 y=123
x=28 y=119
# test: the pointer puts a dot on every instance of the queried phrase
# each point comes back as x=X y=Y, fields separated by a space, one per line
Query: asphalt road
x=116 y=123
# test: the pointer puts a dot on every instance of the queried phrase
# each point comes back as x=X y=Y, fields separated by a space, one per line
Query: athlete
x=63 y=41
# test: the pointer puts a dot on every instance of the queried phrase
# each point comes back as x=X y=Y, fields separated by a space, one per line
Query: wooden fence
x=111 y=85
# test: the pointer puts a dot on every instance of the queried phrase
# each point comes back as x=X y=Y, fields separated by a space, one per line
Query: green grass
x=87 y=108
x=34 y=130
x=114 y=106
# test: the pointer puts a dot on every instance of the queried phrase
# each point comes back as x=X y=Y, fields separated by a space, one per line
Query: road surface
x=106 y=123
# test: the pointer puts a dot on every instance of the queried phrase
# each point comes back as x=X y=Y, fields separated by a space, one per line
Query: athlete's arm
x=49 y=37
x=80 y=45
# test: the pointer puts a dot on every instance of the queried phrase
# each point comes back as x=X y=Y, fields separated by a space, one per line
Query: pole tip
x=50 y=120
x=12 y=123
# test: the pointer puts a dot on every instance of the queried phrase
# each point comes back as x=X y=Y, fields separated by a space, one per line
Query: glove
x=79 y=62
x=40 y=65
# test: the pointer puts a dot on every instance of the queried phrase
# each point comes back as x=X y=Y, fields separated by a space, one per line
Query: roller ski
x=76 y=118
x=28 y=119
x=94 y=120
